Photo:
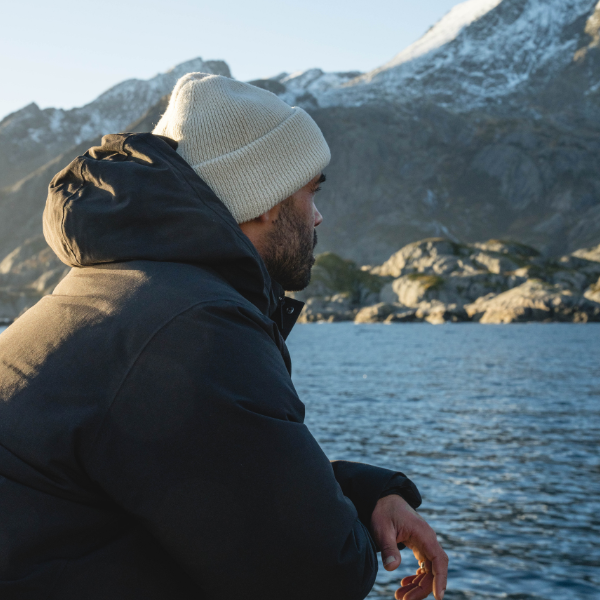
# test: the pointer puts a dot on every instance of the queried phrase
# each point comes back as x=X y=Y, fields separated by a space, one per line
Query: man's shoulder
x=149 y=289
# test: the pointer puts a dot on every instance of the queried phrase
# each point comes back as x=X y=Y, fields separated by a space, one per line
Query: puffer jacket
x=152 y=443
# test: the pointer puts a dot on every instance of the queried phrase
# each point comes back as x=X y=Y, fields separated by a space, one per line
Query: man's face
x=288 y=251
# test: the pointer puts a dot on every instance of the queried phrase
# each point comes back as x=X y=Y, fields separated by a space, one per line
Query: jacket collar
x=285 y=311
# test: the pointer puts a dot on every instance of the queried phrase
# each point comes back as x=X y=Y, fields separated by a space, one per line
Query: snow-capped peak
x=480 y=53
x=445 y=30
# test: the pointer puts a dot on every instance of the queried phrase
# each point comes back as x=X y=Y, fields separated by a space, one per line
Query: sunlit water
x=499 y=426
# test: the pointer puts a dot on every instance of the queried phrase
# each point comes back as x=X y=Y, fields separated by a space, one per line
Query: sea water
x=499 y=427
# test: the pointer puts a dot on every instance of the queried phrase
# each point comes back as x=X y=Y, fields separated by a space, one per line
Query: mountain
x=31 y=137
x=534 y=57
x=501 y=55
x=487 y=127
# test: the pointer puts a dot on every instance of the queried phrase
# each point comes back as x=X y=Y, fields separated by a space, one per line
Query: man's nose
x=318 y=217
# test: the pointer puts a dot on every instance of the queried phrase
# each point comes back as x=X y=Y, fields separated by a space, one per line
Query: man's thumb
x=390 y=556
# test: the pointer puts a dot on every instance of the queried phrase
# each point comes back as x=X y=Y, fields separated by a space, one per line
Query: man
x=152 y=444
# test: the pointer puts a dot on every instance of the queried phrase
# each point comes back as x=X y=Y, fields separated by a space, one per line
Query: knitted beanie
x=247 y=144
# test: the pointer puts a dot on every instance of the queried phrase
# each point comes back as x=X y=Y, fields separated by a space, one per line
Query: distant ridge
x=30 y=137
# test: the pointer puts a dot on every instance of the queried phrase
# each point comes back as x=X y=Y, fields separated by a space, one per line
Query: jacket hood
x=135 y=198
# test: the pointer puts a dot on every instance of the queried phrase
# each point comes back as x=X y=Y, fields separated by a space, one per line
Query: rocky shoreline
x=434 y=280
x=439 y=281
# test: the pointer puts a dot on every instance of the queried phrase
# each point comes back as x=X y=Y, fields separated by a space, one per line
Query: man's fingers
x=408 y=580
x=440 y=575
x=417 y=590
x=432 y=557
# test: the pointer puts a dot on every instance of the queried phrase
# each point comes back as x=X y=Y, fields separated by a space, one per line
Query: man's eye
x=318 y=189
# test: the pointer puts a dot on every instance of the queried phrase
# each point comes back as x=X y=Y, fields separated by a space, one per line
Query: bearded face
x=289 y=249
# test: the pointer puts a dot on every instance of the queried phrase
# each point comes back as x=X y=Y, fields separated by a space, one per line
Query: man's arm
x=205 y=445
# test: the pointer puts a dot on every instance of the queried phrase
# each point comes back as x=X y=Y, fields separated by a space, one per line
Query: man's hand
x=393 y=521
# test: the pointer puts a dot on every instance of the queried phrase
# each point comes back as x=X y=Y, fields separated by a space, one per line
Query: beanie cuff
x=268 y=170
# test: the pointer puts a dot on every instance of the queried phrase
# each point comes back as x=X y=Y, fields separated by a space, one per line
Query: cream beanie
x=248 y=145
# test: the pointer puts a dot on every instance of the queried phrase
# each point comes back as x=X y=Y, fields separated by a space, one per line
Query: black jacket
x=152 y=443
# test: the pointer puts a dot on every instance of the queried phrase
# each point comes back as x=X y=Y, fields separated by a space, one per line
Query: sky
x=65 y=53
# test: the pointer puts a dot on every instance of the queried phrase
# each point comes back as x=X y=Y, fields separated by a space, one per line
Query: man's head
x=285 y=236
x=261 y=157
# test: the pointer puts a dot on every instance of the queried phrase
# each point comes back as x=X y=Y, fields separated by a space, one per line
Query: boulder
x=593 y=292
x=330 y=309
x=592 y=254
x=405 y=316
x=439 y=256
x=507 y=248
x=411 y=290
x=569 y=272
x=438 y=313
x=494 y=263
x=377 y=313
x=534 y=300
x=435 y=256
x=457 y=288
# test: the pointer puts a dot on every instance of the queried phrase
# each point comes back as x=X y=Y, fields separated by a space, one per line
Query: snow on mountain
x=115 y=108
x=301 y=88
x=481 y=52
x=446 y=30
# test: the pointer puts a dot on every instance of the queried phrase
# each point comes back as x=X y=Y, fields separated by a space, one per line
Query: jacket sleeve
x=365 y=484
x=205 y=445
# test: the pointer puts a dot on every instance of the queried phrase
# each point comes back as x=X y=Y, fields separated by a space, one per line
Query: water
x=499 y=426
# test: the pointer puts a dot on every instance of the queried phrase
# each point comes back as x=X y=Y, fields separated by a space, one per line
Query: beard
x=288 y=251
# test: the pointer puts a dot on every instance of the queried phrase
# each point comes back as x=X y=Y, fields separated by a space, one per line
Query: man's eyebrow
x=322 y=179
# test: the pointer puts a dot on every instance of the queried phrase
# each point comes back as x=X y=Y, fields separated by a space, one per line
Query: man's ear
x=259 y=226
x=269 y=216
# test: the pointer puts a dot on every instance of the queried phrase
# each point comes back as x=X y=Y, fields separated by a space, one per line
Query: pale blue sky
x=64 y=53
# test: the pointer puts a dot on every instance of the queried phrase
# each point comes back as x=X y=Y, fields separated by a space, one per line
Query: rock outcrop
x=437 y=280
x=534 y=300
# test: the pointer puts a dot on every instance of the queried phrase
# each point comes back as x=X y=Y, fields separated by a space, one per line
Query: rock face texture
x=485 y=128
